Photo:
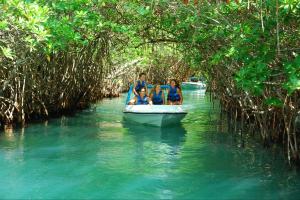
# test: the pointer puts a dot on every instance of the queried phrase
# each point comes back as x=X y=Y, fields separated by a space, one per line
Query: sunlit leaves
x=3 y=25
x=292 y=70
x=231 y=52
x=7 y=52
x=143 y=10
x=252 y=77
x=290 y=6
x=217 y=58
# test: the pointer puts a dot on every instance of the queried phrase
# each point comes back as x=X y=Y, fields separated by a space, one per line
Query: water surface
x=96 y=155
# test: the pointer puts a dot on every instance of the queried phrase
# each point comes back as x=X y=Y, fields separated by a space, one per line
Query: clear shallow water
x=96 y=155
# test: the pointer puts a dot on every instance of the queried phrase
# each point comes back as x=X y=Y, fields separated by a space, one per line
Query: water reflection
x=155 y=150
x=172 y=135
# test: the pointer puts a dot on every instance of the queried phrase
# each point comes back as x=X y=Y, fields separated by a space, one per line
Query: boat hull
x=154 y=115
x=154 y=119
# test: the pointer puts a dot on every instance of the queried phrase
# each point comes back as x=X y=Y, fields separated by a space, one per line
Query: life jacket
x=139 y=85
x=173 y=95
x=142 y=101
x=157 y=98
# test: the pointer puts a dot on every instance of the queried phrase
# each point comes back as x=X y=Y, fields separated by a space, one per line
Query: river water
x=96 y=155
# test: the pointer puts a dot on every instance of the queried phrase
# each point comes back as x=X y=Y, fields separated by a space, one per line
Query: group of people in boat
x=156 y=95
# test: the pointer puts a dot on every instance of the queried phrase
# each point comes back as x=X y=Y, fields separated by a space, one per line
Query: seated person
x=141 y=82
x=141 y=98
x=157 y=96
x=174 y=94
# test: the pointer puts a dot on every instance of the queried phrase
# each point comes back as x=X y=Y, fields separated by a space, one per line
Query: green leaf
x=143 y=11
x=3 y=25
x=230 y=52
x=8 y=53
x=292 y=84
x=273 y=101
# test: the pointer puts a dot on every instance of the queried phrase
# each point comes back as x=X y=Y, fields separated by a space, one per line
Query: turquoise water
x=96 y=155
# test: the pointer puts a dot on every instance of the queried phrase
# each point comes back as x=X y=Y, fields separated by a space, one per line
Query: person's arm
x=146 y=87
x=180 y=94
x=149 y=101
x=168 y=101
x=132 y=101
x=134 y=91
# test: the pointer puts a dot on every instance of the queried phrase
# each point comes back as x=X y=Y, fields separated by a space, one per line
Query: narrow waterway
x=96 y=155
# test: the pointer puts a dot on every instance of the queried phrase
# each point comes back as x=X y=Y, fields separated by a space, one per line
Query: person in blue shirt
x=141 y=82
x=157 y=95
x=174 y=93
x=141 y=98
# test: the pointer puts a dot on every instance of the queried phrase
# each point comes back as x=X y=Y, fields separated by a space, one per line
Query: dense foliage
x=54 y=58
x=58 y=54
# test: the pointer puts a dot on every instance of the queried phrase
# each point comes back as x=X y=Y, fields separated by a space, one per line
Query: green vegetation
x=58 y=55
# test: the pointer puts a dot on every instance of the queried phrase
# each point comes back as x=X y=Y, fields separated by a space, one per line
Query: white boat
x=154 y=115
x=193 y=85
